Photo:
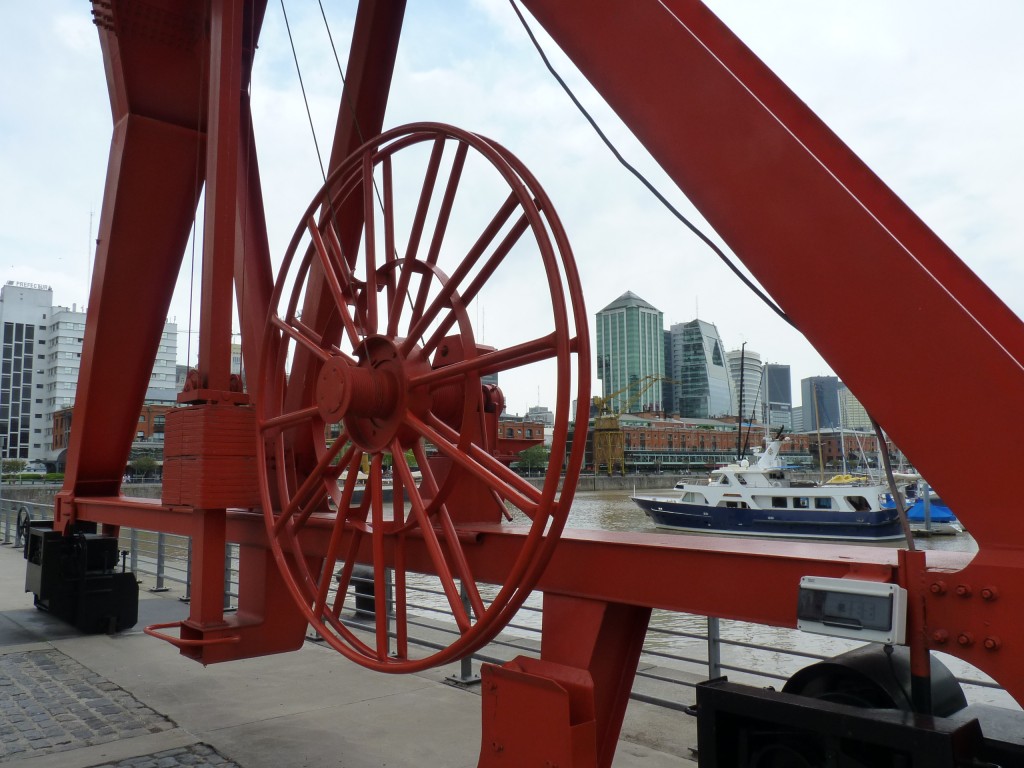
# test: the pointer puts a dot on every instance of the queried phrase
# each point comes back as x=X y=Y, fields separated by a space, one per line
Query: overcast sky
x=927 y=92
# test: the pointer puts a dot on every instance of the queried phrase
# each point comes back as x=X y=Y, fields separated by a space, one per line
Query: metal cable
x=644 y=180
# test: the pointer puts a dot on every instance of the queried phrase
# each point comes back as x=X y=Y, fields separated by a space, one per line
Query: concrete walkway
x=73 y=701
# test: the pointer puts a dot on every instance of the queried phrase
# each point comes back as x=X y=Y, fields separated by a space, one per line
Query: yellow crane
x=609 y=443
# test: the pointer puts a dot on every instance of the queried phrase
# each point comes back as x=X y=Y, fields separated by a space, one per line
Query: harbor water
x=613 y=511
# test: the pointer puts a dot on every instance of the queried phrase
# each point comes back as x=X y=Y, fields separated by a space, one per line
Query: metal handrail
x=165 y=558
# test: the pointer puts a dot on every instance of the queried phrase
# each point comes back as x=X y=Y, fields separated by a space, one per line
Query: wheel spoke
x=535 y=350
x=303 y=501
x=345 y=577
x=302 y=336
x=390 y=254
x=293 y=419
x=434 y=550
x=422 y=317
x=370 y=246
x=330 y=561
x=447 y=201
x=379 y=586
x=331 y=268
x=416 y=231
x=452 y=539
x=479 y=280
x=441 y=226
x=480 y=464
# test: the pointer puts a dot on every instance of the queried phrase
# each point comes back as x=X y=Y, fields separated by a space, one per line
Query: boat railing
x=680 y=650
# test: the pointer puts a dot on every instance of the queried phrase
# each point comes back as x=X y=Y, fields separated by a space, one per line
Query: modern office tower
x=668 y=386
x=631 y=354
x=704 y=388
x=853 y=414
x=24 y=310
x=819 y=396
x=746 y=371
x=777 y=397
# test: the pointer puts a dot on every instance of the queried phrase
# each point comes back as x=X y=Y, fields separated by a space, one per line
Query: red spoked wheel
x=376 y=367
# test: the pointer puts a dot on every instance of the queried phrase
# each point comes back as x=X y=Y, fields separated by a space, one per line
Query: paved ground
x=130 y=701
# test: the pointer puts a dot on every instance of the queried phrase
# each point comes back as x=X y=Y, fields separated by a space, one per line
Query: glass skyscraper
x=819 y=396
x=631 y=354
x=704 y=387
x=778 y=396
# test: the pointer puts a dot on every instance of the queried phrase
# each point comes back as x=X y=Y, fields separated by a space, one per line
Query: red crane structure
x=362 y=345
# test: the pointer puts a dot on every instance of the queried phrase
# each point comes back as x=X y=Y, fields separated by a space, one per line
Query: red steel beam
x=799 y=208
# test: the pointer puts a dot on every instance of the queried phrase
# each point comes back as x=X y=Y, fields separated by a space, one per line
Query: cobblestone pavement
x=51 y=703
x=197 y=756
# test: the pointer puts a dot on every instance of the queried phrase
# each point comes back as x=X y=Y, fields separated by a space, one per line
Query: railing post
x=161 y=557
x=465 y=676
x=714 y=648
x=134 y=545
x=7 y=521
x=188 y=572
x=389 y=594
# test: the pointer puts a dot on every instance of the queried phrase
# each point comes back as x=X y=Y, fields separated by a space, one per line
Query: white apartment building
x=41 y=358
x=24 y=318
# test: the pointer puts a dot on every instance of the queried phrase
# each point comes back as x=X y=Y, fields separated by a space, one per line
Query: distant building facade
x=777 y=397
x=704 y=387
x=852 y=413
x=41 y=359
x=631 y=354
x=746 y=371
x=24 y=316
x=656 y=444
x=819 y=396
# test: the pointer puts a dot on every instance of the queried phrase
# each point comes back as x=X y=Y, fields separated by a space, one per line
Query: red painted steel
x=788 y=197
x=394 y=365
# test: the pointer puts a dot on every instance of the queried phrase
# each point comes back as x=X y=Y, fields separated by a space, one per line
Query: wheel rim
x=371 y=356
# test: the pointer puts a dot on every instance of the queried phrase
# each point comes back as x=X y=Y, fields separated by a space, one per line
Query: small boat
x=926 y=512
x=762 y=500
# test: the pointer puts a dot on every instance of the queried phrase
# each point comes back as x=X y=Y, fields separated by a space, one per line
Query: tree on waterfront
x=143 y=466
x=534 y=457
x=13 y=466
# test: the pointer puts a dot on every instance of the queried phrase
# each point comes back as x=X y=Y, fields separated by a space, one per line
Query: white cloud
x=924 y=91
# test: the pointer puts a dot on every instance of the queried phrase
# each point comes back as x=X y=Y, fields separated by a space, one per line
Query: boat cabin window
x=741 y=479
x=723 y=480
x=859 y=503
x=823 y=503
x=776 y=476
x=801 y=502
x=779 y=502
x=736 y=504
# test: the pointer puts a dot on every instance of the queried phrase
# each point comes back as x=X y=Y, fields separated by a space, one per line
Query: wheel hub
x=370 y=396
